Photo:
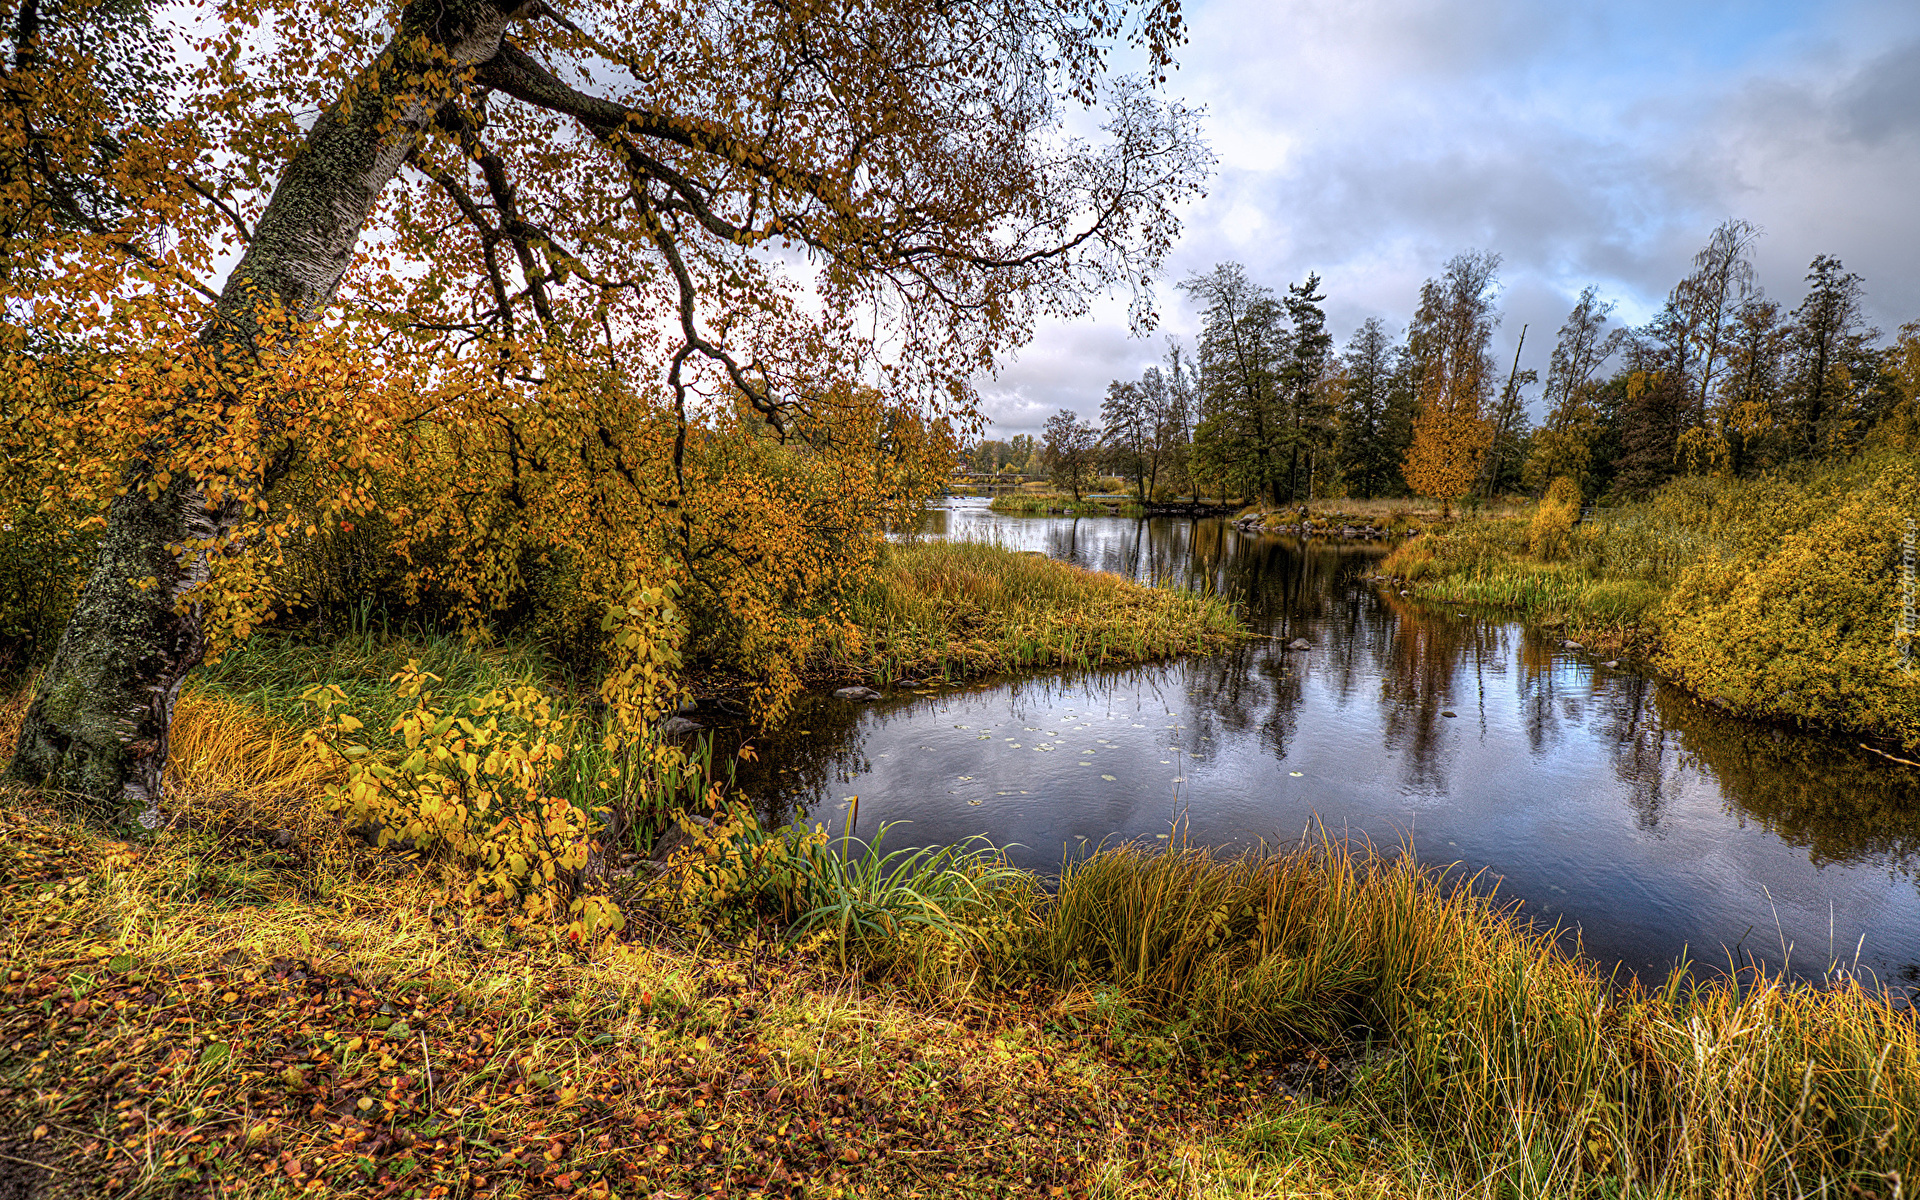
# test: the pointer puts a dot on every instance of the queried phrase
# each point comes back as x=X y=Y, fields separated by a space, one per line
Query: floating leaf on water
x=976 y=802
x=1108 y=778
x=1295 y=774
x=1086 y=764
x=963 y=779
x=1166 y=762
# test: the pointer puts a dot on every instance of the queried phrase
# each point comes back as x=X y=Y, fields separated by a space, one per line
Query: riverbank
x=1774 y=598
x=957 y=610
x=1058 y=503
x=230 y=1011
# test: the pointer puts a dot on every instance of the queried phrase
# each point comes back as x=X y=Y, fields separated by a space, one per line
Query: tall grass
x=1530 y=1073
x=951 y=610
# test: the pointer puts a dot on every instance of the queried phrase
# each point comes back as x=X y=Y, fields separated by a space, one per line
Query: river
x=1603 y=800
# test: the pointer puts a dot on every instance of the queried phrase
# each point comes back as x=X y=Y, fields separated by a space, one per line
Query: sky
x=1372 y=140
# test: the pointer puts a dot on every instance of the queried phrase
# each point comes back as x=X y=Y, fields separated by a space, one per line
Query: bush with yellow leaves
x=470 y=777
x=482 y=778
x=1799 y=615
x=1553 y=521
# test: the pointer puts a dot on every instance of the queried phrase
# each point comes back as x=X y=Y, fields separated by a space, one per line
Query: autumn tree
x=1447 y=344
x=546 y=261
x=1746 y=411
x=1181 y=412
x=1508 y=447
x=1070 y=450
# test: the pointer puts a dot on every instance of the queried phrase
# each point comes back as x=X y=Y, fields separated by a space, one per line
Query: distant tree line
x=1723 y=380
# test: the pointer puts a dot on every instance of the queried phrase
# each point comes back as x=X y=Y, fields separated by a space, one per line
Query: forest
x=1723 y=381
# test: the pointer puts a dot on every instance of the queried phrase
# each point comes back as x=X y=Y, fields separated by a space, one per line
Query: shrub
x=1801 y=620
x=1554 y=519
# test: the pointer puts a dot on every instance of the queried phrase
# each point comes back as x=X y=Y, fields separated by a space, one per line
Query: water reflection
x=1602 y=799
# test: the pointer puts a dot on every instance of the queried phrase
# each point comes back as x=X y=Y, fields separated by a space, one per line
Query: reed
x=1526 y=1071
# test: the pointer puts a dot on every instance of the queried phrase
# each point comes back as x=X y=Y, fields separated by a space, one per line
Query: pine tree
x=1369 y=460
x=1830 y=366
x=1304 y=397
x=1241 y=436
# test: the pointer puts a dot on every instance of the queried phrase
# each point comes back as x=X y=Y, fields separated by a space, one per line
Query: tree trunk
x=98 y=725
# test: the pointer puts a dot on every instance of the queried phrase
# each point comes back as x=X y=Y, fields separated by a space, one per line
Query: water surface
x=1602 y=799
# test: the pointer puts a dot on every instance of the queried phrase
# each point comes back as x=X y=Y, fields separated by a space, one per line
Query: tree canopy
x=676 y=292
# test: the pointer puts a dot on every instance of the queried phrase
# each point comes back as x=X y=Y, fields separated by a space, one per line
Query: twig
x=428 y=1056
x=27 y=1162
x=1905 y=762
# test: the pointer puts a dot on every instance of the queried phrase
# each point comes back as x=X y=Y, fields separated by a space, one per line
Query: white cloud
x=1371 y=140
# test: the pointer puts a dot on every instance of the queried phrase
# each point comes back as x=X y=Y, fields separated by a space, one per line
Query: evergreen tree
x=1369 y=459
x=1240 y=438
x=1305 y=400
x=1655 y=410
x=1830 y=365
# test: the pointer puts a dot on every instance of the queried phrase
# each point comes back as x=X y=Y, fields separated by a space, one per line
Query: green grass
x=955 y=610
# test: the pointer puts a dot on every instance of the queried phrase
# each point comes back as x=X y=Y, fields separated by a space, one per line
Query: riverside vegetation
x=252 y=1004
x=1775 y=597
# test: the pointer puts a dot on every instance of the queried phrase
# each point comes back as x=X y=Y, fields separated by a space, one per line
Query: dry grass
x=952 y=610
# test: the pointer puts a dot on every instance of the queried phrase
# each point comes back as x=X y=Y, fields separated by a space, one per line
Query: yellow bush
x=1804 y=622
x=1553 y=521
x=470 y=778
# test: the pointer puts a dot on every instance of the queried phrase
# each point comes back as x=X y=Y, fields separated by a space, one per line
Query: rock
x=1572 y=646
x=860 y=695
x=1611 y=664
x=677 y=836
x=674 y=727
x=1449 y=713
x=282 y=839
x=1299 y=644
x=370 y=834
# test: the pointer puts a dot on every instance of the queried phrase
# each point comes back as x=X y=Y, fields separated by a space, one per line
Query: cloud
x=1371 y=140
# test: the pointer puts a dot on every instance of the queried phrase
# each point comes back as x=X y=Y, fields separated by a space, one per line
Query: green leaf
x=215 y=1052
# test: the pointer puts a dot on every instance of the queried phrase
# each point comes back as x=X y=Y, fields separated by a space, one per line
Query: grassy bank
x=1041 y=503
x=1775 y=597
x=951 y=610
x=217 y=1013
